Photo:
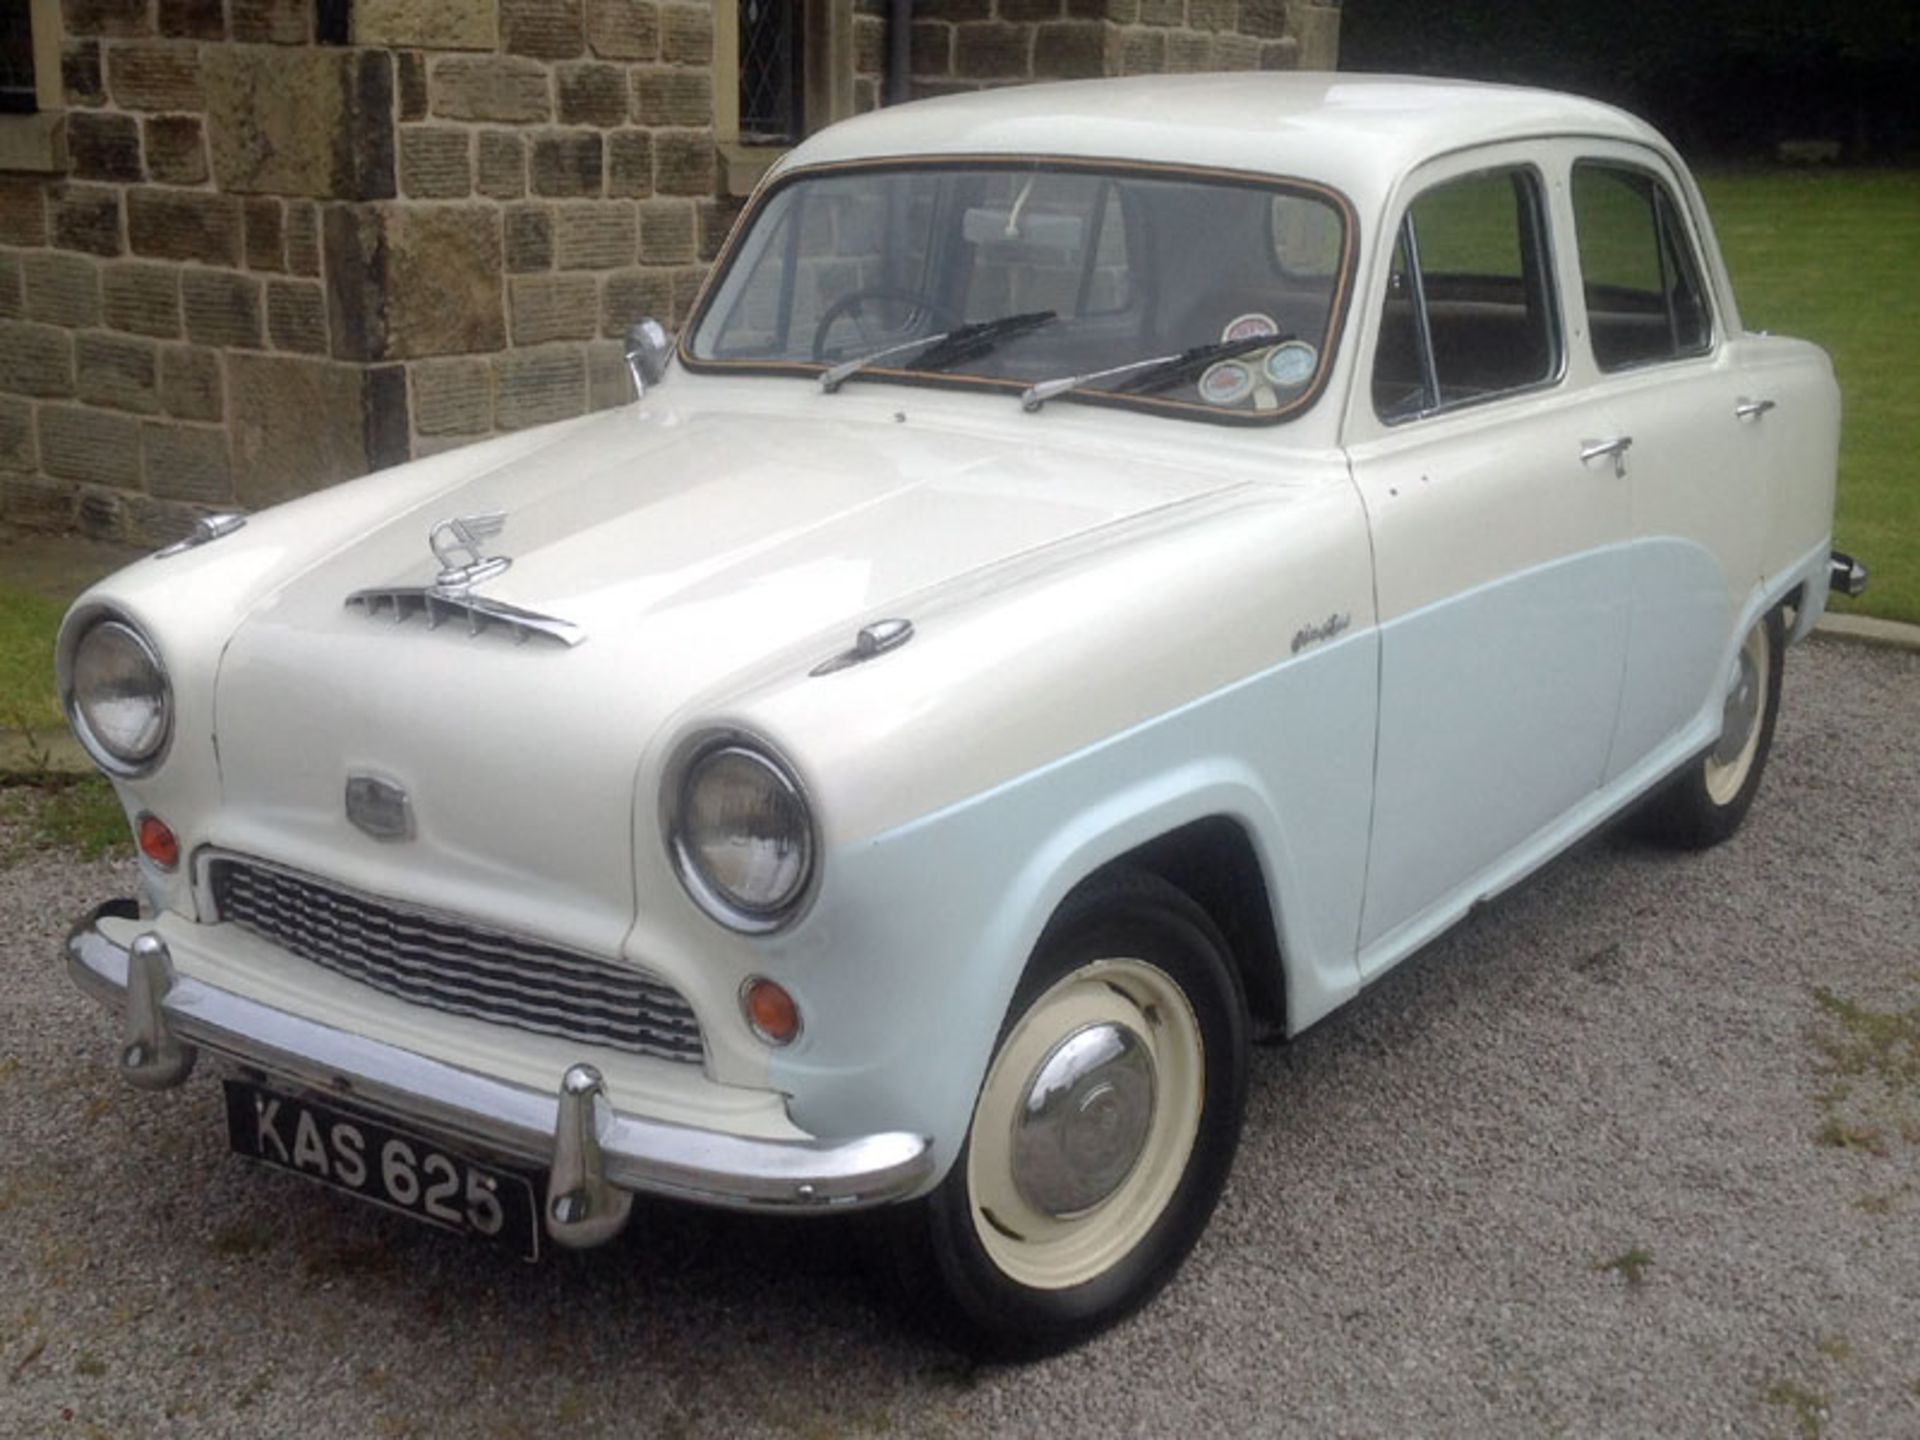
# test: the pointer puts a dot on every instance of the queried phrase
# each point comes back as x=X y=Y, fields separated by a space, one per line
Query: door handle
x=1752 y=409
x=1591 y=450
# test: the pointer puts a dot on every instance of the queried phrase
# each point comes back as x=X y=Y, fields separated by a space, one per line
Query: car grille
x=455 y=966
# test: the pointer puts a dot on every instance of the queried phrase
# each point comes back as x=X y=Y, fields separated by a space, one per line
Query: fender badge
x=379 y=808
x=1316 y=634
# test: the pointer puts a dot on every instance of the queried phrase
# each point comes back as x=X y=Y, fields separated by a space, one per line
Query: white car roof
x=1357 y=133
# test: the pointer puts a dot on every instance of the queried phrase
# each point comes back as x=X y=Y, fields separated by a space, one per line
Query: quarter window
x=1645 y=302
x=1470 y=311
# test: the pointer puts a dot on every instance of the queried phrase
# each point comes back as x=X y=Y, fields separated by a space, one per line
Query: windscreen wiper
x=949 y=347
x=1156 y=372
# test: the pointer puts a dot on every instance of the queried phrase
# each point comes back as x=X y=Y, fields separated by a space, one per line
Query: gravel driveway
x=1634 y=1152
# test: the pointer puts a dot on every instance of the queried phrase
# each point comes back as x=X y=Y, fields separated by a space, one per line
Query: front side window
x=1094 y=269
x=1470 y=311
x=1645 y=302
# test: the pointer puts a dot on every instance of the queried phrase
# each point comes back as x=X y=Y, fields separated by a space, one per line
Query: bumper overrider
x=598 y=1157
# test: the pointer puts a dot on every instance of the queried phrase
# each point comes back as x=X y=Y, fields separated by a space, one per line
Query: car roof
x=1357 y=133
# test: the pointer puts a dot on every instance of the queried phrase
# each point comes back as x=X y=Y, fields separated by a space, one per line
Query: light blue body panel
x=1678 y=626
x=942 y=914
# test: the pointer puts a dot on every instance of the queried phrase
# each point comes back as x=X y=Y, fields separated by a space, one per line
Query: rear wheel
x=1105 y=1127
x=1707 y=801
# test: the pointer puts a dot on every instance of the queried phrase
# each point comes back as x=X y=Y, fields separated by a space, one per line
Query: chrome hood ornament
x=467 y=534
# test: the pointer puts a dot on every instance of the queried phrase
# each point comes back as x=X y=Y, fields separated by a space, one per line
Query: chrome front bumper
x=598 y=1157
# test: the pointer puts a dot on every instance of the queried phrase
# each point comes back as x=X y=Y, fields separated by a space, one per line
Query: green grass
x=1833 y=256
x=81 y=816
x=27 y=624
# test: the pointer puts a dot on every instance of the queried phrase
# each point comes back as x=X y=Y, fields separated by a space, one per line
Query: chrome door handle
x=1591 y=450
x=1752 y=409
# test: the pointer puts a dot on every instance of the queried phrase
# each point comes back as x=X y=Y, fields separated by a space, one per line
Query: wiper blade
x=949 y=347
x=1156 y=372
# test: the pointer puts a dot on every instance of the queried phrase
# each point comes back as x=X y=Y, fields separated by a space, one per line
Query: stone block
x=142 y=299
x=264 y=222
x=594 y=237
x=388 y=430
x=1029 y=9
x=990 y=50
x=453 y=397
x=435 y=162
x=683 y=163
x=297 y=316
x=717 y=219
x=193 y=19
x=107 y=17
x=87 y=218
x=62 y=289
x=190 y=385
x=1265 y=19
x=931 y=49
x=274 y=22
x=33 y=503
x=554 y=307
x=1236 y=52
x=869 y=45
x=23 y=212
x=407 y=281
x=630 y=163
x=13 y=299
x=96 y=446
x=687 y=285
x=1143 y=52
x=1070 y=50
x=83 y=76
x=549 y=29
x=673 y=97
x=303 y=237
x=591 y=93
x=410 y=78
x=17 y=450
x=502 y=88
x=186 y=462
x=566 y=163
x=222 y=309
x=1280 y=54
x=952 y=9
x=117 y=370
x=500 y=172
x=529 y=238
x=623 y=29
x=104 y=147
x=536 y=387
x=429 y=24
x=686 y=34
x=297 y=424
x=184 y=225
x=1188 y=51
x=1163 y=12
x=1213 y=14
x=1317 y=28
x=316 y=122
x=156 y=76
x=667 y=232
x=609 y=381
x=638 y=295
x=176 y=149
x=35 y=359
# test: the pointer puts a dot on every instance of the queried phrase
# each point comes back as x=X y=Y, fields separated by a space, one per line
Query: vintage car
x=1105 y=571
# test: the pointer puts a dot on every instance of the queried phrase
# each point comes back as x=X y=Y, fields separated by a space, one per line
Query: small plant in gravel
x=1632 y=1266
x=80 y=816
x=1808 y=1407
x=1834 y=1347
x=1863 y=1042
x=1843 y=1135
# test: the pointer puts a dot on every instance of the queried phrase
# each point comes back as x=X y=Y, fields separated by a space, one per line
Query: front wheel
x=1707 y=801
x=1105 y=1127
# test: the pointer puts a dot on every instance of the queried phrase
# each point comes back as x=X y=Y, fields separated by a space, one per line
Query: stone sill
x=747 y=164
x=36 y=143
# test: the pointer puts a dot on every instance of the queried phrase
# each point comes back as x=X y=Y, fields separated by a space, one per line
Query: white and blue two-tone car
x=1105 y=570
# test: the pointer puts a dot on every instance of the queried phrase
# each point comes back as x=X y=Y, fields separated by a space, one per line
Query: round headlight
x=743 y=837
x=120 y=703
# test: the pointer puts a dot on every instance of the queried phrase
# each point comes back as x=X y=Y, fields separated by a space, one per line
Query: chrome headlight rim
x=675 y=792
x=79 y=629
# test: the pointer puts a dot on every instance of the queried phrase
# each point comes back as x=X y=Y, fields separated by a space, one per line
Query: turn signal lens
x=158 y=842
x=770 y=1010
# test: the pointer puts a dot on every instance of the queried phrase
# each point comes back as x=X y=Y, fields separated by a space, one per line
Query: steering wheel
x=850 y=303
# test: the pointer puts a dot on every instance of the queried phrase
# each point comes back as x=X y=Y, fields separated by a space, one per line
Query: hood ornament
x=467 y=534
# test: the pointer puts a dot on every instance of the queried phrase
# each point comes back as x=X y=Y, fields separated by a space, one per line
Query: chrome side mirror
x=649 y=347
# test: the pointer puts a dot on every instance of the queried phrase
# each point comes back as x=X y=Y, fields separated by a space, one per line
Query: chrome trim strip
x=655 y=1157
x=438 y=605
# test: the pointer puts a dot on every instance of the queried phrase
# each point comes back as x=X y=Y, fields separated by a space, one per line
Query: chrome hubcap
x=1743 y=708
x=1084 y=1121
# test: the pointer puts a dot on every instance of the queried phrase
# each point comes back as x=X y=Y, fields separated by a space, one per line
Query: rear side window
x=1470 y=311
x=1645 y=301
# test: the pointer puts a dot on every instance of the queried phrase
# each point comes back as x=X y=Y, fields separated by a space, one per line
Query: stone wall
x=302 y=239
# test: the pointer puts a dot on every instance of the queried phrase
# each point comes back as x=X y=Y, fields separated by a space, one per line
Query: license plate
x=369 y=1158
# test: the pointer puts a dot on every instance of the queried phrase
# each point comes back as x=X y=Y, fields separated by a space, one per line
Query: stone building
x=250 y=247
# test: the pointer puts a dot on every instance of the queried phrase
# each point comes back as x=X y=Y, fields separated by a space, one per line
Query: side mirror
x=649 y=347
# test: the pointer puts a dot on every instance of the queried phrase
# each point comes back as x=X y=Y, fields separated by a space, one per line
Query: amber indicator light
x=771 y=1011
x=158 y=842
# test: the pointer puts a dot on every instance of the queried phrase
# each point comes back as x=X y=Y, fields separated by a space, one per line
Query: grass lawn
x=27 y=624
x=1833 y=256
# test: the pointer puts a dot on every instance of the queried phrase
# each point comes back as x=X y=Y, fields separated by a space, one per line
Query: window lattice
x=16 y=57
x=770 y=91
